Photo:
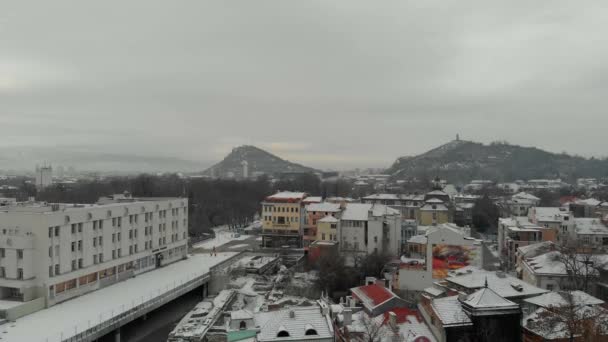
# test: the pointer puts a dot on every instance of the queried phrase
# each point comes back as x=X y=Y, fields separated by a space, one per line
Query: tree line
x=212 y=202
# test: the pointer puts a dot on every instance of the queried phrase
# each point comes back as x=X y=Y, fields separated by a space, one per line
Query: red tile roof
x=375 y=294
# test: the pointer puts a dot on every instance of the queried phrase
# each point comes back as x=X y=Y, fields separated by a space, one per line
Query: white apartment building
x=60 y=251
x=369 y=228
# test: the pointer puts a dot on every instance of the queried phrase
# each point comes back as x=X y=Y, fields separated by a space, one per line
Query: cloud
x=22 y=75
x=334 y=84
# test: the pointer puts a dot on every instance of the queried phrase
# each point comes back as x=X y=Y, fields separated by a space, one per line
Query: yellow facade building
x=283 y=217
x=327 y=229
x=434 y=212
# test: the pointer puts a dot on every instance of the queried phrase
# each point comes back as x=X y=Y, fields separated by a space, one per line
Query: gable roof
x=272 y=322
x=450 y=312
x=373 y=295
x=487 y=298
x=328 y=219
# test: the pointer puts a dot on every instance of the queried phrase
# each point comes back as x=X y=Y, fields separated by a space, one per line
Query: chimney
x=324 y=309
x=348 y=317
x=392 y=319
x=352 y=302
x=292 y=314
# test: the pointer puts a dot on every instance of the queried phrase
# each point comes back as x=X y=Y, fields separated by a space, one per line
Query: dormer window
x=310 y=330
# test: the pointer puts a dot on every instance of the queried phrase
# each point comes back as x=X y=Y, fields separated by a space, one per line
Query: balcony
x=281 y=232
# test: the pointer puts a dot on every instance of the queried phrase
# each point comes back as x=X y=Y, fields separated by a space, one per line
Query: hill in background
x=258 y=162
x=462 y=161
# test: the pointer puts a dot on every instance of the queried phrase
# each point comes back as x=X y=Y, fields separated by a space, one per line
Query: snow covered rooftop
x=313 y=199
x=450 y=312
x=526 y=196
x=297 y=323
x=558 y=329
x=435 y=292
x=329 y=219
x=549 y=214
x=241 y=314
x=536 y=249
x=590 y=226
x=486 y=298
x=504 y=285
x=76 y=314
x=591 y=202
x=551 y=264
x=560 y=299
x=323 y=207
x=466 y=205
x=286 y=196
x=360 y=211
x=437 y=193
x=419 y=239
x=382 y=197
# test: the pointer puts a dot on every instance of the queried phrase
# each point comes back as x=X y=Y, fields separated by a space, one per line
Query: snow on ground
x=222 y=237
x=76 y=315
x=243 y=245
x=304 y=279
x=7 y=304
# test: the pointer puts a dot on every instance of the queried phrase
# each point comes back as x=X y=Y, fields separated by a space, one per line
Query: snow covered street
x=222 y=237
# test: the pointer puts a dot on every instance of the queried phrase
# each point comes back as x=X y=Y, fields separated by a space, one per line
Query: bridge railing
x=136 y=310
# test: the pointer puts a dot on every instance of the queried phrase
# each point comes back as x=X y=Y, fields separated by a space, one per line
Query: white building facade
x=61 y=251
x=369 y=228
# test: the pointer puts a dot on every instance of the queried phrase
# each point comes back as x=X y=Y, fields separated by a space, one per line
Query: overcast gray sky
x=338 y=83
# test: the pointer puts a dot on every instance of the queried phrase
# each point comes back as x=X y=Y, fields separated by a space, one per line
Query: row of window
x=19 y=273
x=270 y=208
x=19 y=253
x=116 y=222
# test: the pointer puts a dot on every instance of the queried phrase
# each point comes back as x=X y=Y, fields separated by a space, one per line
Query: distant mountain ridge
x=25 y=158
x=258 y=161
x=462 y=161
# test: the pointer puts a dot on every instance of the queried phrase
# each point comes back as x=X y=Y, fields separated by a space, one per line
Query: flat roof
x=73 y=316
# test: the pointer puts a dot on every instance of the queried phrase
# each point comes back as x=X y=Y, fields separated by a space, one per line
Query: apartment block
x=60 y=251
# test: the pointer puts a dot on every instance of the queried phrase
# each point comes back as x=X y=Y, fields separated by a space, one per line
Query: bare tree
x=582 y=267
x=571 y=320
x=373 y=328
